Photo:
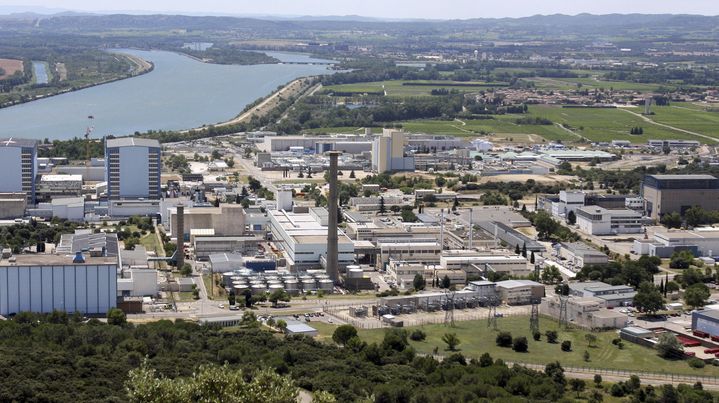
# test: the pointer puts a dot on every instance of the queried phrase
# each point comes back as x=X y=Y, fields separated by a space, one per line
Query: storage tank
x=326 y=285
x=240 y=289
x=308 y=284
x=227 y=277
x=292 y=285
x=354 y=272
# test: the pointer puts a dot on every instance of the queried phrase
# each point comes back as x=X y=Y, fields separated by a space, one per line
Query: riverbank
x=289 y=90
x=142 y=67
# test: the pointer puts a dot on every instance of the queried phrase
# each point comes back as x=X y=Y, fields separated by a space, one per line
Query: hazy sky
x=436 y=9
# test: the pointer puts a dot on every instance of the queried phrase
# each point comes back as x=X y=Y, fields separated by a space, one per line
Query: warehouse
x=612 y=295
x=80 y=276
x=586 y=312
x=706 y=321
x=676 y=193
x=579 y=255
x=513 y=265
x=204 y=246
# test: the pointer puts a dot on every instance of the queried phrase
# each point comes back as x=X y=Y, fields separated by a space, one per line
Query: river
x=180 y=93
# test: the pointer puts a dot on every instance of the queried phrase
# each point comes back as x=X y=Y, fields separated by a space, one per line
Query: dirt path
x=573 y=133
x=646 y=119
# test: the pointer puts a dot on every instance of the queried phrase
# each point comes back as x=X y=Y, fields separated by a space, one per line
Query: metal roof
x=132 y=141
x=16 y=142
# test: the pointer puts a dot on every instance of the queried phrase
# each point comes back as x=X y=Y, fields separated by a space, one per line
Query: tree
x=571 y=218
x=249 y=319
x=586 y=356
x=408 y=216
x=696 y=295
x=231 y=298
x=591 y=339
x=524 y=250
x=566 y=345
x=352 y=174
x=695 y=216
x=551 y=336
x=545 y=224
x=504 y=339
x=681 y=259
x=451 y=340
x=343 y=334
x=520 y=345
x=419 y=282
x=668 y=346
x=597 y=380
x=210 y=383
x=281 y=324
x=445 y=282
x=577 y=385
x=279 y=295
x=555 y=371
x=116 y=317
x=531 y=258
x=670 y=287
x=382 y=208
x=485 y=360
x=516 y=250
x=671 y=220
x=648 y=299
x=186 y=270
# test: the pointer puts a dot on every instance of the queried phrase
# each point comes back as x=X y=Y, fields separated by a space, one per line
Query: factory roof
x=697 y=234
x=581 y=249
x=16 y=142
x=709 y=313
x=60 y=178
x=581 y=286
x=682 y=177
x=55 y=259
x=85 y=240
x=617 y=297
x=615 y=213
x=68 y=201
x=132 y=141
x=637 y=331
x=300 y=328
x=225 y=258
x=518 y=284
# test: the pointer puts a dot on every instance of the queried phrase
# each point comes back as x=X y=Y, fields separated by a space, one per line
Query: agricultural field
x=688 y=117
x=10 y=67
x=590 y=83
x=404 y=88
x=476 y=338
x=502 y=126
x=611 y=123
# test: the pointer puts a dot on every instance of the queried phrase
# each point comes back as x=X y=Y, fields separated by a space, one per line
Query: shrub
x=537 y=336
x=551 y=336
x=695 y=362
x=616 y=390
x=566 y=345
x=504 y=339
x=520 y=345
x=418 y=335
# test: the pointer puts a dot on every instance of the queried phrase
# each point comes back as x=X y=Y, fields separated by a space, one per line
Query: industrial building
x=19 y=167
x=226 y=220
x=388 y=152
x=12 y=205
x=424 y=251
x=303 y=238
x=136 y=278
x=706 y=321
x=133 y=168
x=512 y=237
x=612 y=295
x=518 y=292
x=676 y=193
x=81 y=275
x=205 y=246
x=702 y=242
x=597 y=220
x=586 y=312
x=51 y=186
x=579 y=254
x=510 y=264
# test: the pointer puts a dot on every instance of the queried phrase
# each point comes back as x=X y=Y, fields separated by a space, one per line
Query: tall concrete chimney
x=332 y=207
x=180 y=233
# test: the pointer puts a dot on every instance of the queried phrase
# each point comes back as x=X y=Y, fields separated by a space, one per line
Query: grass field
x=688 y=117
x=590 y=83
x=476 y=338
x=396 y=87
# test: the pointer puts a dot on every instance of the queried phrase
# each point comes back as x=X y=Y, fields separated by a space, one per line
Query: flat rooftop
x=132 y=142
x=17 y=142
x=51 y=259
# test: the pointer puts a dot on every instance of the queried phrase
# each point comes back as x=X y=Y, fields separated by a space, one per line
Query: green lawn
x=476 y=338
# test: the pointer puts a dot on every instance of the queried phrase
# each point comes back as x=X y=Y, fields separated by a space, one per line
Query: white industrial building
x=81 y=275
x=425 y=251
x=133 y=168
x=18 y=166
x=303 y=238
x=568 y=201
x=597 y=220
x=579 y=255
x=702 y=242
x=612 y=295
x=517 y=292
